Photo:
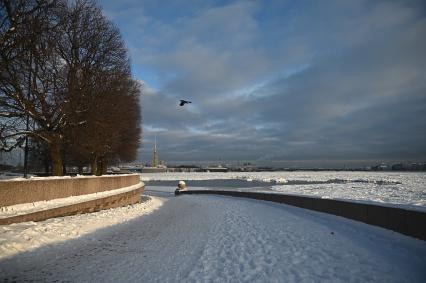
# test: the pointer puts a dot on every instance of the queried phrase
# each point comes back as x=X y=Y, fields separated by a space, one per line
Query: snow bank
x=27 y=236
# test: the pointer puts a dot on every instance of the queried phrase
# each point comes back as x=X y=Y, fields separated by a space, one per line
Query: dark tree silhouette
x=29 y=89
x=65 y=81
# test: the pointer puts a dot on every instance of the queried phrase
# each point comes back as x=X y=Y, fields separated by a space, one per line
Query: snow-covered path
x=218 y=239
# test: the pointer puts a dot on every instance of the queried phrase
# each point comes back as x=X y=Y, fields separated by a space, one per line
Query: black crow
x=183 y=102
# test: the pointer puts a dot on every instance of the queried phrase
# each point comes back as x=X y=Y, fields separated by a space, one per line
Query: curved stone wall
x=31 y=190
x=117 y=200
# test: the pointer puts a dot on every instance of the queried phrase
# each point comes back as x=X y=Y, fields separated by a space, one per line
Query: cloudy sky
x=312 y=82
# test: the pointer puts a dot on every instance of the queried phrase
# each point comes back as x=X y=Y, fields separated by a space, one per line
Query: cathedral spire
x=155 y=154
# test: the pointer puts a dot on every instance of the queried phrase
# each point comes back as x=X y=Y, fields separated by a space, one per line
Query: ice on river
x=405 y=188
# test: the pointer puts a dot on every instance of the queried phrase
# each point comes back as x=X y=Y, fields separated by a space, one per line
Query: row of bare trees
x=65 y=83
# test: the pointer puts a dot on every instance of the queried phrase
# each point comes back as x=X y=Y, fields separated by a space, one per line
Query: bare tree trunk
x=46 y=165
x=99 y=168
x=104 y=166
x=55 y=154
x=93 y=165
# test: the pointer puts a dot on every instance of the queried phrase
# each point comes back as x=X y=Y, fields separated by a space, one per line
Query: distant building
x=380 y=167
x=418 y=166
x=216 y=169
x=184 y=168
x=398 y=167
x=155 y=167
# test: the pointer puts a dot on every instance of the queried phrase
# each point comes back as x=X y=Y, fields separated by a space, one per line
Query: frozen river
x=395 y=188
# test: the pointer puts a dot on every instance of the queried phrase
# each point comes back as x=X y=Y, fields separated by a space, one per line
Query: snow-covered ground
x=27 y=236
x=213 y=239
x=384 y=187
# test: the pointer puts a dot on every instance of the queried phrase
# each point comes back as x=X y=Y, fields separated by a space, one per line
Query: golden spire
x=155 y=154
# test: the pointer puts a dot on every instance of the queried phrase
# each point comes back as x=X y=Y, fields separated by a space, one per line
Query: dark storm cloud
x=367 y=102
x=290 y=80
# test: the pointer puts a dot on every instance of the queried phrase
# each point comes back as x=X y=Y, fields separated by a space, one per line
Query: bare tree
x=113 y=124
x=65 y=68
x=97 y=82
x=29 y=86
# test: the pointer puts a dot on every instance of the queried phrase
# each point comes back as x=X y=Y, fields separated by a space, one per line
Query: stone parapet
x=117 y=200
x=32 y=190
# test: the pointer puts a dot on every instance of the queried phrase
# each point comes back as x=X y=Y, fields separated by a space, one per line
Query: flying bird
x=183 y=102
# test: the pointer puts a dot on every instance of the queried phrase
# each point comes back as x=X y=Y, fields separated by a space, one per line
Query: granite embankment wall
x=117 y=200
x=32 y=190
x=27 y=191
x=408 y=222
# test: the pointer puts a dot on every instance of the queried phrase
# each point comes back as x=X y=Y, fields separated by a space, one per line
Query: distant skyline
x=312 y=82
